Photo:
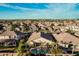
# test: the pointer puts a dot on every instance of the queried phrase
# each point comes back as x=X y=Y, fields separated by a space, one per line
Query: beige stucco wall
x=4 y=37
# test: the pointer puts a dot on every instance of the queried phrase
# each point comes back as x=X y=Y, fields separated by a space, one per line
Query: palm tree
x=55 y=49
x=21 y=48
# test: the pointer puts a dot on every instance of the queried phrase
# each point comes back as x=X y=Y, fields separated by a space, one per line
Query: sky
x=39 y=11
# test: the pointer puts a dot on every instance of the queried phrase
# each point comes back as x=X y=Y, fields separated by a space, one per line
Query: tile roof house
x=76 y=34
x=33 y=28
x=67 y=38
x=8 y=37
x=73 y=27
x=40 y=37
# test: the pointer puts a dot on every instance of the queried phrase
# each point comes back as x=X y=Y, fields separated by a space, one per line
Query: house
x=17 y=29
x=8 y=38
x=42 y=26
x=22 y=35
x=73 y=27
x=33 y=28
x=56 y=27
x=76 y=34
x=64 y=39
x=41 y=38
x=63 y=28
x=2 y=28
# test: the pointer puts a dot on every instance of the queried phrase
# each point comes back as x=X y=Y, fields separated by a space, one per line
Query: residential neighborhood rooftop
x=66 y=37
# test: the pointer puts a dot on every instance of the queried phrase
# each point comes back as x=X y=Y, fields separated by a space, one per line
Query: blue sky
x=39 y=11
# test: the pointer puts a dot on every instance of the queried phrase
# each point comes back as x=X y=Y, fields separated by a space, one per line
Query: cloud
x=53 y=11
x=15 y=7
x=56 y=11
x=35 y=6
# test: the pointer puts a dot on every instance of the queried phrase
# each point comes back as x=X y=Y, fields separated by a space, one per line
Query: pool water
x=39 y=51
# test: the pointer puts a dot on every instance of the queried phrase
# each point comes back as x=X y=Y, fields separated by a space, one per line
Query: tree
x=55 y=50
x=21 y=48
